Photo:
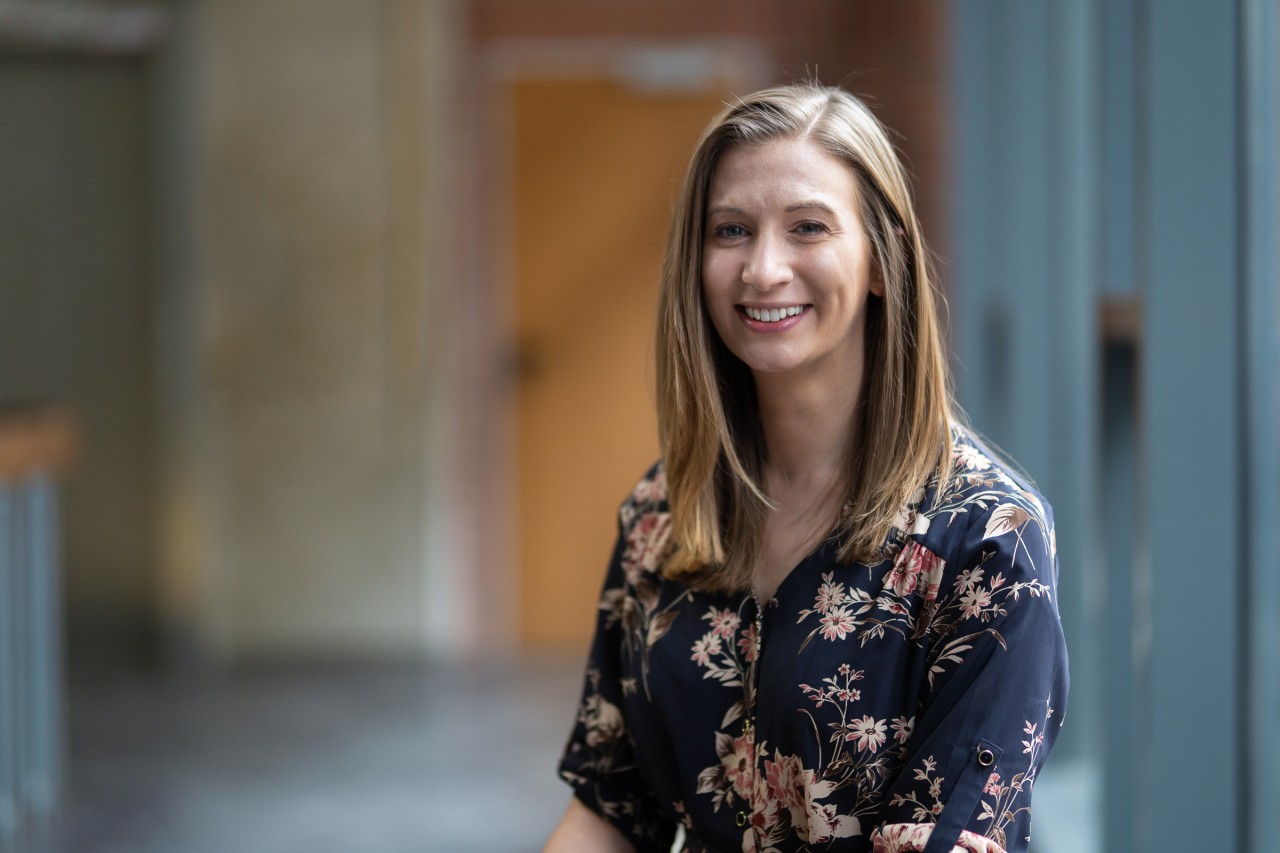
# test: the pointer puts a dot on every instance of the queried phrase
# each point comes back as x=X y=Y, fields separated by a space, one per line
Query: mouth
x=773 y=315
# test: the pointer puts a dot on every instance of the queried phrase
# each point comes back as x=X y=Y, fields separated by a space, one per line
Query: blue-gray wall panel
x=1028 y=263
x=1116 y=94
x=1261 y=186
x=1191 y=403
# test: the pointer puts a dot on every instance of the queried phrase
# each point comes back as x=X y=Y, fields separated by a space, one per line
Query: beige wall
x=75 y=310
x=308 y=462
x=297 y=334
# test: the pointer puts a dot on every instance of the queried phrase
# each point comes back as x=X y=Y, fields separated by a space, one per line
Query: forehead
x=781 y=171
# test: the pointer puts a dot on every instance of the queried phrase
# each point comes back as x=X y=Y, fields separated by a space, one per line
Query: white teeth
x=773 y=315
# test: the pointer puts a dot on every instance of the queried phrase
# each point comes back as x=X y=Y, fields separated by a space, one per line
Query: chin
x=772 y=365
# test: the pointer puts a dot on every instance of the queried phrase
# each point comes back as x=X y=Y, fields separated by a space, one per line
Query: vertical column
x=33 y=445
x=1024 y=308
x=23 y=621
x=1070 y=367
x=1123 y=796
x=44 y=658
x=972 y=232
x=8 y=681
x=1122 y=624
x=1260 y=28
x=1189 y=226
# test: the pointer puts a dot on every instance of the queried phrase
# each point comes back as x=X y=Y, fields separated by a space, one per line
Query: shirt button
x=986 y=758
x=743 y=818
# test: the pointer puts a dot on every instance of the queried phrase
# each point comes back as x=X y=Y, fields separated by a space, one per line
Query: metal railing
x=36 y=447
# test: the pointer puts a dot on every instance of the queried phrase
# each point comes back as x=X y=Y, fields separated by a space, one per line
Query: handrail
x=39 y=443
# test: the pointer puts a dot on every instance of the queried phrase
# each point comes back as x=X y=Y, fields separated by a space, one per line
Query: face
x=786 y=267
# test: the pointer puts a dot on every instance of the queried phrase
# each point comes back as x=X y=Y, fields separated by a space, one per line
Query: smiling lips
x=773 y=315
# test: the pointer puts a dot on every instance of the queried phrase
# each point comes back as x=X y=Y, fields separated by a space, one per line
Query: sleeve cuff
x=912 y=838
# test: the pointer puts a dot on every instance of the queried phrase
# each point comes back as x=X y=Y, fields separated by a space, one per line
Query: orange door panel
x=597 y=168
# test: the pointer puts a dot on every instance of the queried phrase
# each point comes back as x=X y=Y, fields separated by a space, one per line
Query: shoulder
x=644 y=523
x=649 y=494
x=981 y=505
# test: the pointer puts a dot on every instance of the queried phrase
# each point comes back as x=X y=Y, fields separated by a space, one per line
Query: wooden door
x=597 y=169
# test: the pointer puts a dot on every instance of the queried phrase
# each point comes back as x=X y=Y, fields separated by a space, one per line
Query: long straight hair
x=708 y=421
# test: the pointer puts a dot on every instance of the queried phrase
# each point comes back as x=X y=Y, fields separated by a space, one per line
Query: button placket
x=749 y=729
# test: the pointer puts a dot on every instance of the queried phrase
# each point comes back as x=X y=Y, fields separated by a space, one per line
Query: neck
x=808 y=426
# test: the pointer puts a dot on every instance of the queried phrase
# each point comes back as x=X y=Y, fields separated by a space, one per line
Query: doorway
x=596 y=166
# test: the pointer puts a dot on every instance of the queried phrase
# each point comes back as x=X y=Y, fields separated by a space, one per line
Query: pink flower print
x=931 y=566
x=817 y=694
x=646 y=545
x=723 y=622
x=905 y=519
x=1036 y=739
x=837 y=624
x=738 y=763
x=819 y=823
x=969 y=578
x=902 y=728
x=893 y=607
x=868 y=734
x=749 y=643
x=704 y=648
x=785 y=777
x=975 y=601
x=830 y=595
x=906 y=569
x=968 y=456
x=916 y=569
x=848 y=695
x=651 y=491
x=993 y=785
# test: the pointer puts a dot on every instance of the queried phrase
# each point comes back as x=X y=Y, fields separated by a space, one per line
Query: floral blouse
x=905 y=706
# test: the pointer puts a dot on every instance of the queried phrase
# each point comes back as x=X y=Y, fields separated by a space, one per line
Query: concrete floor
x=388 y=759
x=342 y=759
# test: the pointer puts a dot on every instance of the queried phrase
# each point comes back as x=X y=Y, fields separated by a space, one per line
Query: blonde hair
x=712 y=447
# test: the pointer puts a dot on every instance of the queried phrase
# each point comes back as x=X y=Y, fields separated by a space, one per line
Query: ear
x=876 y=283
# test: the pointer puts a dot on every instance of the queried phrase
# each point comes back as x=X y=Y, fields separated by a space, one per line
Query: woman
x=830 y=619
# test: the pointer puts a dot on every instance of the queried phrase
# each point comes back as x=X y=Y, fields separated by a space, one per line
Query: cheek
x=717 y=285
x=717 y=305
x=711 y=263
x=850 y=280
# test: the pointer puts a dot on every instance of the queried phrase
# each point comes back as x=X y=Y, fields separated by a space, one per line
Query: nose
x=767 y=265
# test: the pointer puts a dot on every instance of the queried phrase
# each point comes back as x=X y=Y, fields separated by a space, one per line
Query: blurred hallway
x=289 y=759
x=390 y=759
x=287 y=266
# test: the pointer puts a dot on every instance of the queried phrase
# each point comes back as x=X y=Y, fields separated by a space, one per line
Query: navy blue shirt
x=903 y=706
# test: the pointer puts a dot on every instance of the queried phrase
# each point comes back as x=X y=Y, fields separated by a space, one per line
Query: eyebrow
x=813 y=204
x=810 y=205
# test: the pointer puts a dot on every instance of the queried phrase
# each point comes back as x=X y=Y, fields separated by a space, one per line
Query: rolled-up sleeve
x=599 y=761
x=995 y=695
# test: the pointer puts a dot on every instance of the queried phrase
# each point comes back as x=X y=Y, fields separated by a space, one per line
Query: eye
x=811 y=229
x=730 y=231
